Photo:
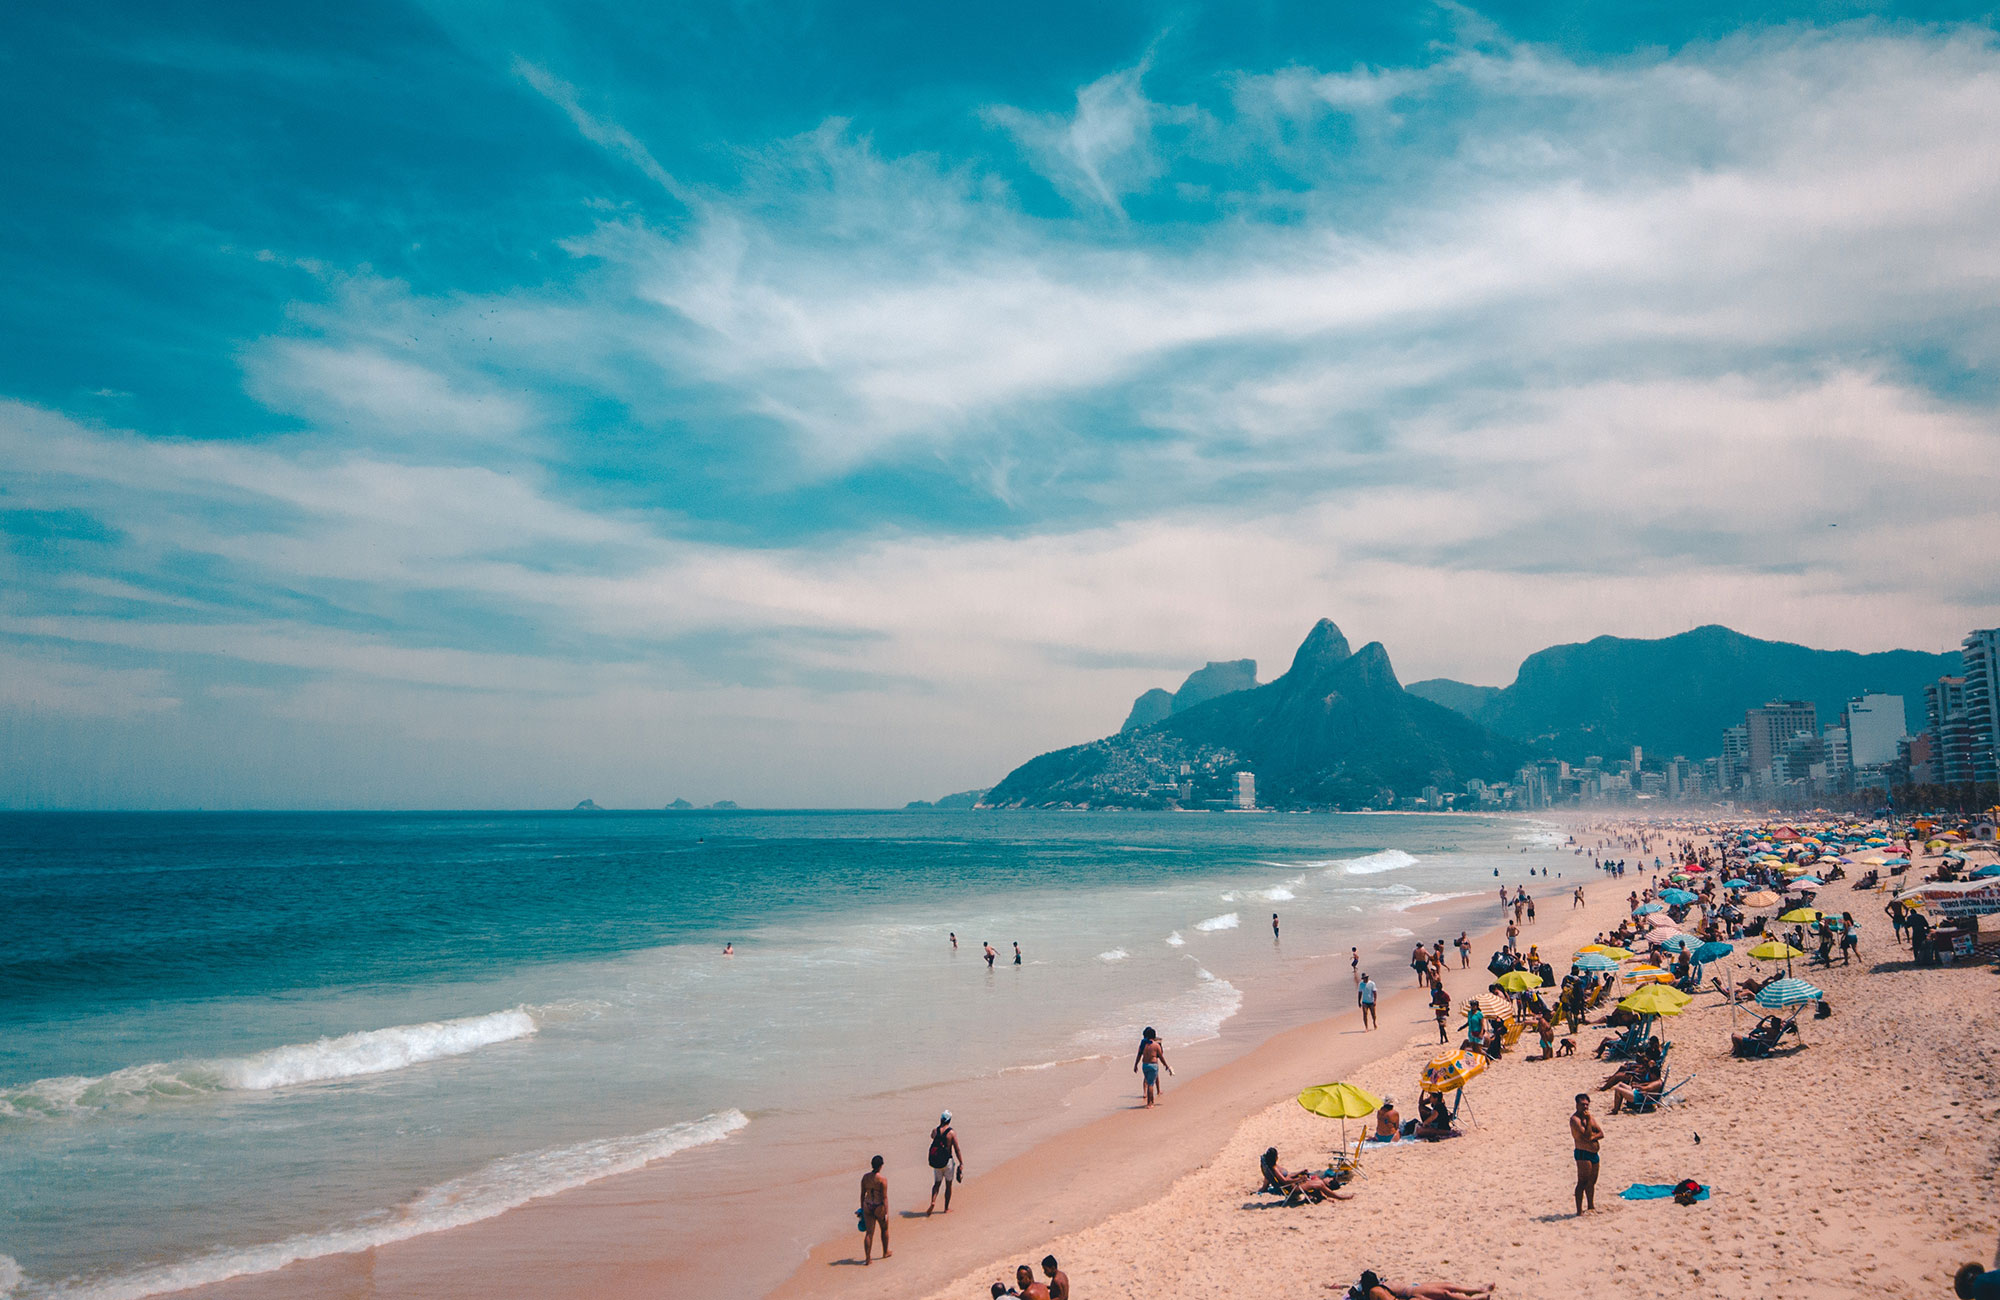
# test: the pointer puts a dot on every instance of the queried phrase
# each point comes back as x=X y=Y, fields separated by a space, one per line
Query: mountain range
x=1336 y=730
x=1675 y=695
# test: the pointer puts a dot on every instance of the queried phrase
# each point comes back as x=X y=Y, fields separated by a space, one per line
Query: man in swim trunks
x=1153 y=1058
x=1365 y=996
x=1026 y=1286
x=1017 y=952
x=874 y=1210
x=1058 y=1280
x=990 y=954
x=947 y=1162
x=1585 y=1135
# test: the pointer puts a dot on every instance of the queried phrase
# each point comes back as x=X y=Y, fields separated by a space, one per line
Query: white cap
x=945 y=1118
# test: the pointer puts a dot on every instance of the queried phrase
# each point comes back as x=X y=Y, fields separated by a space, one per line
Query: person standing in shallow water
x=1017 y=952
x=1274 y=925
x=1152 y=1058
x=990 y=954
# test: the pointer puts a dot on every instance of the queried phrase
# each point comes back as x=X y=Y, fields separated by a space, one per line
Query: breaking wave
x=373 y=1051
x=1374 y=863
x=1227 y=921
x=1116 y=954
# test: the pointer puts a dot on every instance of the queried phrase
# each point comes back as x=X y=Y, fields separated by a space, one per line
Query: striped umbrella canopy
x=1648 y=975
x=1495 y=1007
x=1680 y=943
x=1647 y=909
x=1660 y=922
x=1451 y=1070
x=1787 y=993
x=1594 y=962
x=1807 y=882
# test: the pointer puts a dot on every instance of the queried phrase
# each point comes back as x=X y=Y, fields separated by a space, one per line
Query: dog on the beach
x=1567 y=1047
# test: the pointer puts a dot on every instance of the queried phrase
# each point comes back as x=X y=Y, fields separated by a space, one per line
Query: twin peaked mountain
x=1336 y=730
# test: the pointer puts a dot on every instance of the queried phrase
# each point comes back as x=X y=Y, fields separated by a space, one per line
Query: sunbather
x=1622 y=1096
x=1300 y=1183
x=1388 y=1123
x=1372 y=1287
x=1433 y=1120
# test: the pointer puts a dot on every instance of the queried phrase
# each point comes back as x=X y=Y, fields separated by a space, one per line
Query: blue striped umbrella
x=1681 y=943
x=1713 y=950
x=1594 y=962
x=1787 y=993
x=1647 y=909
x=1810 y=882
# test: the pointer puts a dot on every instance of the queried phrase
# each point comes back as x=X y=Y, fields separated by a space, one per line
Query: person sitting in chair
x=1433 y=1120
x=1296 y=1185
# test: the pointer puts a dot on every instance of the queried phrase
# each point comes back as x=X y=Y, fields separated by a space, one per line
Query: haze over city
x=458 y=406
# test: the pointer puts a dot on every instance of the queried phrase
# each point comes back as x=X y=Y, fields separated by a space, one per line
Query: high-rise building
x=1874 y=724
x=1246 y=790
x=1839 y=754
x=1772 y=726
x=1950 y=730
x=1982 y=703
x=1735 y=756
x=1920 y=759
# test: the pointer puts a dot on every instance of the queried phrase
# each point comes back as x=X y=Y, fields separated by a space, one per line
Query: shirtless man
x=874 y=1210
x=1153 y=1058
x=1585 y=1135
x=1027 y=1287
x=1058 y=1280
x=990 y=954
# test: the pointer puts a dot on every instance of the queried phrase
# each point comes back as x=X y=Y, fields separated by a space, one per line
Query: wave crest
x=371 y=1051
x=1227 y=921
x=1374 y=863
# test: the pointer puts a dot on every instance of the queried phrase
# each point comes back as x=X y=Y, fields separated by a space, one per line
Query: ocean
x=232 y=1041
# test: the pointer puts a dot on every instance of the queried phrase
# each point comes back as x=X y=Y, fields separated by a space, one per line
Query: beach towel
x=1656 y=1192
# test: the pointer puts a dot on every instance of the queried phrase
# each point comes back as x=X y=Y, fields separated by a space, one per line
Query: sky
x=817 y=405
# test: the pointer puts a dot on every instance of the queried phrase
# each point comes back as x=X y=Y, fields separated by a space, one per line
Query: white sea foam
x=1398 y=932
x=1193 y=1015
x=1176 y=940
x=10 y=1276
x=1229 y=897
x=1050 y=1065
x=1374 y=863
x=1116 y=954
x=1428 y=900
x=1277 y=894
x=373 y=1051
x=1227 y=921
x=493 y=1189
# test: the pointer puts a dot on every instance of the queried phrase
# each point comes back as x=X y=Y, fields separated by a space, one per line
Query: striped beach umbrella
x=1451 y=1070
x=1680 y=943
x=1787 y=993
x=1648 y=975
x=1594 y=962
x=1647 y=909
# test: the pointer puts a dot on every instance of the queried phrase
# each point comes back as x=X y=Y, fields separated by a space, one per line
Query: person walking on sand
x=947 y=1162
x=1152 y=1058
x=1441 y=1008
x=1576 y=899
x=1585 y=1135
x=874 y=1210
x=1364 y=996
x=1464 y=951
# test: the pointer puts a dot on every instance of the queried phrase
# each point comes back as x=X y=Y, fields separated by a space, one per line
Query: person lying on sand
x=1372 y=1287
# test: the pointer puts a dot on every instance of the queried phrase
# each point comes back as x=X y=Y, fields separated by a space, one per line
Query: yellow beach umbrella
x=1341 y=1101
x=1451 y=1070
x=1656 y=1000
x=1606 y=950
x=1803 y=916
x=1520 y=981
x=1648 y=975
x=1775 y=950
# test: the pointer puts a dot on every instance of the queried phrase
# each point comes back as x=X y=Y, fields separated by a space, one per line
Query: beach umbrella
x=1776 y=950
x=1648 y=975
x=1762 y=898
x=1656 y=1000
x=1787 y=992
x=1520 y=981
x=1660 y=922
x=1341 y=1101
x=1736 y=884
x=1676 y=897
x=1594 y=962
x=1987 y=872
x=1647 y=909
x=1807 y=882
x=1680 y=943
x=1711 y=951
x=1450 y=1070
x=1803 y=916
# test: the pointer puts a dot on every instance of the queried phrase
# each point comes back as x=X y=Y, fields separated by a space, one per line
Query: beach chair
x=1513 y=1034
x=1644 y=1103
x=1348 y=1164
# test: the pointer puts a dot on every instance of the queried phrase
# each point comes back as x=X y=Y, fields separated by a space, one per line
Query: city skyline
x=430 y=405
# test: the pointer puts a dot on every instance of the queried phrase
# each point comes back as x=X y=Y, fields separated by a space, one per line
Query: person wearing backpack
x=946 y=1160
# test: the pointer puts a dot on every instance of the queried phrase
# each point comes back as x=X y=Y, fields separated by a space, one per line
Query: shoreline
x=1122 y=1161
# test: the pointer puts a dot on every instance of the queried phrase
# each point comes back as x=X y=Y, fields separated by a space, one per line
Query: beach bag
x=940 y=1148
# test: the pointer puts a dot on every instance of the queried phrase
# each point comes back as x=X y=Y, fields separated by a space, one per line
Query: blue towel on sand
x=1655 y=1192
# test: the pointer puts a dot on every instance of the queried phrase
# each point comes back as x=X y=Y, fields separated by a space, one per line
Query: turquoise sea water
x=230 y=1041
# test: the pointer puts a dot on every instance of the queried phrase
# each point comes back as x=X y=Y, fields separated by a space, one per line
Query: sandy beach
x=1861 y=1164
